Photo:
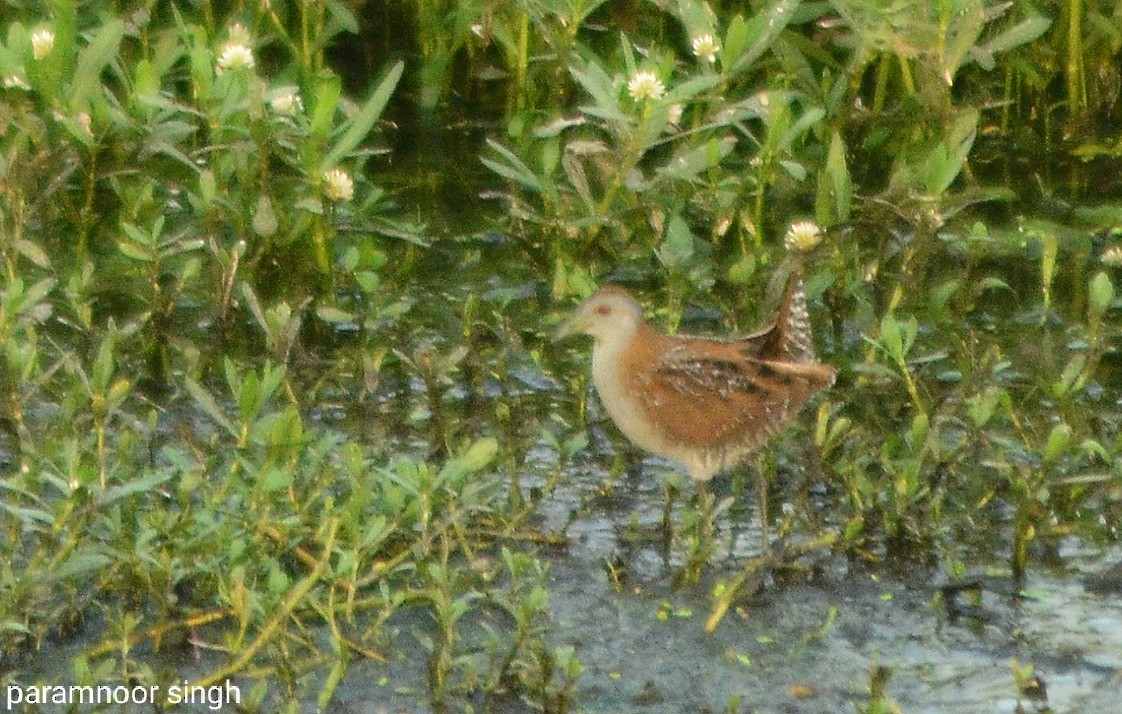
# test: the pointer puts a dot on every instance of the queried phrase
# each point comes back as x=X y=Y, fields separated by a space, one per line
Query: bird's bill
x=571 y=326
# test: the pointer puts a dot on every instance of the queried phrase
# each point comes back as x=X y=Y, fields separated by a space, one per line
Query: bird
x=703 y=402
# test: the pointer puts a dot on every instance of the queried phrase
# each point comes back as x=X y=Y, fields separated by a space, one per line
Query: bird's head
x=609 y=314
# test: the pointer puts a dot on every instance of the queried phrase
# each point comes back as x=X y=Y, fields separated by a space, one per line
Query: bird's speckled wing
x=710 y=392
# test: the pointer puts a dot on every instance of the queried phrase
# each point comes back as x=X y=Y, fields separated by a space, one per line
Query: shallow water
x=808 y=640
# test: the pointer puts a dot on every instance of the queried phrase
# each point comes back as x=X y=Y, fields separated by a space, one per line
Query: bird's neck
x=608 y=353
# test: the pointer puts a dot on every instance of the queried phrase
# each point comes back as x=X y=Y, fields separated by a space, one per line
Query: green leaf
x=325 y=101
x=690 y=88
x=207 y=403
x=30 y=299
x=740 y=272
x=981 y=407
x=687 y=164
x=104 y=365
x=282 y=430
x=991 y=283
x=343 y=15
x=762 y=31
x=678 y=247
x=146 y=82
x=891 y=339
x=963 y=30
x=604 y=93
x=92 y=60
x=334 y=315
x=478 y=456
x=361 y=124
x=249 y=397
x=838 y=180
x=32 y=252
x=28 y=515
x=1094 y=448
x=264 y=217
x=14 y=626
x=511 y=167
x=1073 y=376
x=574 y=170
x=271 y=380
x=918 y=433
x=1058 y=441
x=17 y=48
x=1101 y=295
x=810 y=118
x=736 y=39
x=1022 y=33
x=136 y=252
x=131 y=488
x=946 y=160
x=79 y=563
x=697 y=17
x=274 y=479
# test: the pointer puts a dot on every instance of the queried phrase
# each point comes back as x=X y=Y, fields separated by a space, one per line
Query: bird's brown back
x=730 y=396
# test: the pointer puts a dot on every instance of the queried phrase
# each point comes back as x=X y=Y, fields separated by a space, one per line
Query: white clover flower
x=85 y=123
x=338 y=185
x=42 y=42
x=14 y=81
x=287 y=103
x=235 y=56
x=645 y=85
x=802 y=237
x=705 y=48
x=1112 y=256
x=238 y=35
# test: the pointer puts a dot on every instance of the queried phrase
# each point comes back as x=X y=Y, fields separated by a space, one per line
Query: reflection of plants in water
x=1029 y=686
x=879 y=701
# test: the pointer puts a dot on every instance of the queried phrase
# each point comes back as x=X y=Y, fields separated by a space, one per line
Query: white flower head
x=14 y=81
x=1112 y=256
x=338 y=185
x=802 y=237
x=287 y=102
x=85 y=123
x=645 y=84
x=238 y=35
x=235 y=56
x=42 y=42
x=705 y=48
x=674 y=113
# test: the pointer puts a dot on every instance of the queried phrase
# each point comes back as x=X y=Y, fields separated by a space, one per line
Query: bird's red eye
x=604 y=310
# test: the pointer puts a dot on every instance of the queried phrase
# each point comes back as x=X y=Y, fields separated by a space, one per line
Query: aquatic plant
x=251 y=409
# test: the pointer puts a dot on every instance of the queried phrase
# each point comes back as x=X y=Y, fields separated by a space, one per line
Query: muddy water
x=809 y=640
x=810 y=647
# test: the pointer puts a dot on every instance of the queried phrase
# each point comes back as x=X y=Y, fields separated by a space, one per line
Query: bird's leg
x=671 y=491
x=761 y=495
x=702 y=488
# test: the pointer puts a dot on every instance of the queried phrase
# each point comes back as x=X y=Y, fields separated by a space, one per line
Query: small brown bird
x=703 y=402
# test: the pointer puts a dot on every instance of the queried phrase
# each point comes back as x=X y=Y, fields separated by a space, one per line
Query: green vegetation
x=233 y=369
